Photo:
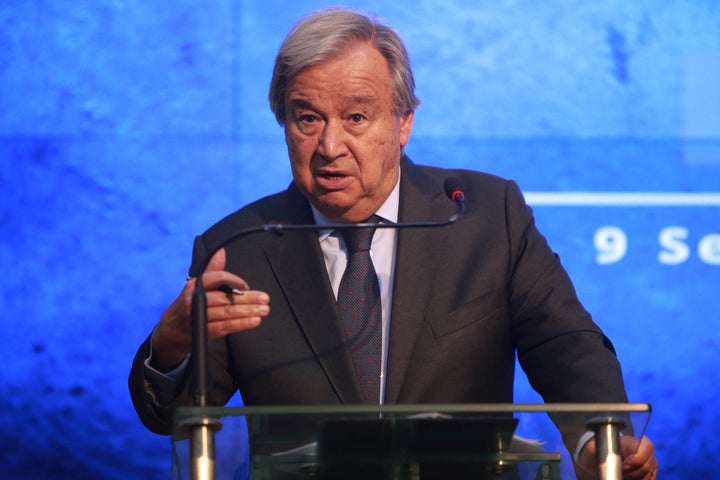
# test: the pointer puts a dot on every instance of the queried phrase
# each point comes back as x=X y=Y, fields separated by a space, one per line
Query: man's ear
x=406 y=124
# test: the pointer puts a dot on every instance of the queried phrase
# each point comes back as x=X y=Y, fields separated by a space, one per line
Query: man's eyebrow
x=360 y=99
x=348 y=100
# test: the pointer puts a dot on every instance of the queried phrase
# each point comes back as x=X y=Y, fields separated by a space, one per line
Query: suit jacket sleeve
x=565 y=355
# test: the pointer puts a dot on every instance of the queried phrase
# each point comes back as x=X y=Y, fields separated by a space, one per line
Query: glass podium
x=406 y=442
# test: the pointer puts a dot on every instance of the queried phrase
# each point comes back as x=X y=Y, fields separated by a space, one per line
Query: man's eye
x=357 y=117
x=308 y=118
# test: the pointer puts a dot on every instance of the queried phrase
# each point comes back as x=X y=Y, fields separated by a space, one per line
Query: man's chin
x=336 y=213
x=342 y=213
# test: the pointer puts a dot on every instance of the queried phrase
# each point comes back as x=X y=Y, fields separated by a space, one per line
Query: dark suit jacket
x=466 y=298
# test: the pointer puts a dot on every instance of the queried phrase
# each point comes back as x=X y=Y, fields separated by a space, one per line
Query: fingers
x=215 y=278
x=232 y=307
x=217 y=261
x=222 y=280
x=641 y=464
x=230 y=312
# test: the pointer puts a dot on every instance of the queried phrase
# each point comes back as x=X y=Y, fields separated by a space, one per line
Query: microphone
x=454 y=190
x=200 y=367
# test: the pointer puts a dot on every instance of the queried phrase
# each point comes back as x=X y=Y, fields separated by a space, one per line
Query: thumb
x=217 y=262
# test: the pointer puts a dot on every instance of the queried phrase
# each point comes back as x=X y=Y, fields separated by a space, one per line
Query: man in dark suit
x=457 y=302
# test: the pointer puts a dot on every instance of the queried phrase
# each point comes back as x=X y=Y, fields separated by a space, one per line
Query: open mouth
x=333 y=176
x=333 y=180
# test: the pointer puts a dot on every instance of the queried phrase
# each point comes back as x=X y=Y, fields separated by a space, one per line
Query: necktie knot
x=359 y=239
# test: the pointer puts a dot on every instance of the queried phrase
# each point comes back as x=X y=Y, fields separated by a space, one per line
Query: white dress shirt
x=382 y=252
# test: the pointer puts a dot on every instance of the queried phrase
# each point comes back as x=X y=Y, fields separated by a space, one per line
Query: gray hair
x=324 y=35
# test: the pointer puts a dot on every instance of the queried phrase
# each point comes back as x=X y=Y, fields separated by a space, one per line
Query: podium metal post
x=607 y=439
x=201 y=432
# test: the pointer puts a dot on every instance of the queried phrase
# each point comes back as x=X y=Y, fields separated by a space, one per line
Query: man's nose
x=332 y=141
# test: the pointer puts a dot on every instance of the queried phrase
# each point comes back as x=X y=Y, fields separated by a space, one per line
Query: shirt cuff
x=584 y=439
x=164 y=384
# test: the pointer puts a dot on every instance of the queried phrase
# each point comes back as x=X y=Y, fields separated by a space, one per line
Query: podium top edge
x=469 y=408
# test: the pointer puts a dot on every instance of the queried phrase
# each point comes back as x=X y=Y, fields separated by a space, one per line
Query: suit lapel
x=297 y=262
x=421 y=199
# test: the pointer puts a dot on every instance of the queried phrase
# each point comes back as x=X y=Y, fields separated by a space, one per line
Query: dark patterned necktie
x=359 y=302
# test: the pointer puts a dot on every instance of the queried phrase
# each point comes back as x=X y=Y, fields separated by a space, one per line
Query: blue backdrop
x=127 y=127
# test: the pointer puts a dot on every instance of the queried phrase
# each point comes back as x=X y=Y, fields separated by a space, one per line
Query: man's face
x=344 y=139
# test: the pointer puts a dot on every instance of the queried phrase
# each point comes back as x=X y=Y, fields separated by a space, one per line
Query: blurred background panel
x=127 y=127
